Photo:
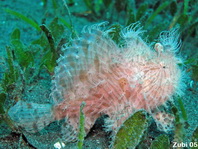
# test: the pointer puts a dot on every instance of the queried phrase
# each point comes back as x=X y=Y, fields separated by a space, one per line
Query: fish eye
x=164 y=67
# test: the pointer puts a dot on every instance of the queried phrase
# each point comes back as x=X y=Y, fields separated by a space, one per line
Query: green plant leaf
x=98 y=6
x=183 y=20
x=141 y=11
x=65 y=23
x=195 y=71
x=130 y=133
x=56 y=29
x=120 y=5
x=49 y=61
x=182 y=109
x=24 y=58
x=193 y=26
x=115 y=34
x=107 y=3
x=12 y=74
x=131 y=18
x=44 y=3
x=156 y=31
x=54 y=4
x=156 y=12
x=173 y=8
x=190 y=61
x=42 y=41
x=9 y=60
x=82 y=132
x=88 y=3
x=2 y=100
x=195 y=136
x=180 y=124
x=161 y=142
x=186 y=5
x=24 y=18
x=16 y=34
x=50 y=38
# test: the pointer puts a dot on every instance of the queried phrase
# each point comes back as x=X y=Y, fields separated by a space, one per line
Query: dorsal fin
x=93 y=49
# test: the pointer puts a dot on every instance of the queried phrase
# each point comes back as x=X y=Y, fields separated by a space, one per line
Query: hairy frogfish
x=113 y=80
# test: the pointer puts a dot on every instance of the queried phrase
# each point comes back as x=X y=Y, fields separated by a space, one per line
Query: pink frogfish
x=114 y=80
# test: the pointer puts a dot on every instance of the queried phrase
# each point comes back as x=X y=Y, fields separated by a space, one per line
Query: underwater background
x=32 y=34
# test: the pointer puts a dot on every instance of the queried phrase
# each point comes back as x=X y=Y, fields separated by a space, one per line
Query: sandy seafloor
x=39 y=91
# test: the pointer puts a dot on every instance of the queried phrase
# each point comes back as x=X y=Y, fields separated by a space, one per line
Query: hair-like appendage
x=134 y=47
x=170 y=40
x=96 y=27
x=134 y=30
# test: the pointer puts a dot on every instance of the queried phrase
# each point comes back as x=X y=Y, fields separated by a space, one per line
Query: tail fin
x=31 y=116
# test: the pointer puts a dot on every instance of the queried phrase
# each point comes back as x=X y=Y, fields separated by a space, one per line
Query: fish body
x=112 y=80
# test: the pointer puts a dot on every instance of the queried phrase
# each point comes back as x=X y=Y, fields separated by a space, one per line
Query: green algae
x=24 y=18
x=130 y=133
x=161 y=142
x=82 y=133
x=195 y=136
